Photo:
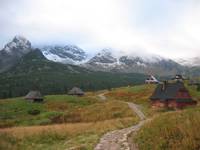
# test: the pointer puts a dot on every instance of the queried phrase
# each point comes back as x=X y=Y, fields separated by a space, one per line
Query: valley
x=115 y=112
x=99 y=75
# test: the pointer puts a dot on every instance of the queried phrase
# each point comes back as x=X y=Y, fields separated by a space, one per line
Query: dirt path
x=137 y=110
x=118 y=139
x=102 y=96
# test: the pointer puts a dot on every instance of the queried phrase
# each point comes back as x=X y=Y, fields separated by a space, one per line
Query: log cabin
x=171 y=95
x=76 y=91
x=34 y=96
x=151 y=80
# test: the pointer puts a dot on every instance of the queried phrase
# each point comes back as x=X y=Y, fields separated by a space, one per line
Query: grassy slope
x=177 y=130
x=138 y=94
x=168 y=127
x=77 y=122
x=60 y=109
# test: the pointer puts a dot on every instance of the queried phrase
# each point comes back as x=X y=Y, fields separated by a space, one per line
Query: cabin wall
x=183 y=94
x=184 y=104
x=170 y=104
x=158 y=103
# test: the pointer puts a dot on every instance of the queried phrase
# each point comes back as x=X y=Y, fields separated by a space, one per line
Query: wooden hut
x=171 y=95
x=178 y=77
x=76 y=91
x=151 y=80
x=34 y=96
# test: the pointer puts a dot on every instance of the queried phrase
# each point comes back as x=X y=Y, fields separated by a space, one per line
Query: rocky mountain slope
x=34 y=71
x=13 y=51
x=68 y=54
x=106 y=60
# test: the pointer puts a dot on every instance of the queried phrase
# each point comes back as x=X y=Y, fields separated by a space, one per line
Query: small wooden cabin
x=34 y=96
x=151 y=80
x=171 y=95
x=178 y=77
x=76 y=91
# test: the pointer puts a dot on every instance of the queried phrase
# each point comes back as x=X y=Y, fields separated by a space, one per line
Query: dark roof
x=76 y=91
x=34 y=95
x=169 y=92
x=178 y=77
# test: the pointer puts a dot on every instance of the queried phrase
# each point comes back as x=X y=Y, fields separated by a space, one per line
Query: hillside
x=70 y=122
x=175 y=130
x=34 y=71
x=75 y=122
x=172 y=129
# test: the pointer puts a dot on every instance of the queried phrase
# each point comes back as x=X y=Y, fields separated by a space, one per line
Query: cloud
x=168 y=28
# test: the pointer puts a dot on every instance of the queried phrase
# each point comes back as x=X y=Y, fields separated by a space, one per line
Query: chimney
x=164 y=85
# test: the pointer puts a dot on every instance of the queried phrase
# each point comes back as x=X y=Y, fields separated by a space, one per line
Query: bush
x=34 y=112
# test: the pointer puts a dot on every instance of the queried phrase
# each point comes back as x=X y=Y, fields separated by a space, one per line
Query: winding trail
x=118 y=139
x=137 y=110
x=102 y=96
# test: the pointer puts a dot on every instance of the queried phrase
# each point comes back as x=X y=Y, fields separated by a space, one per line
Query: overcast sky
x=169 y=28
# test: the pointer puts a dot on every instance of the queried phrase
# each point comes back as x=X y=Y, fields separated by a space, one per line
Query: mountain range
x=105 y=60
x=56 y=69
x=29 y=69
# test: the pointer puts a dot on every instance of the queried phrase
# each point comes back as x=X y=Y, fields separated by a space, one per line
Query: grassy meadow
x=60 y=109
x=70 y=122
x=61 y=121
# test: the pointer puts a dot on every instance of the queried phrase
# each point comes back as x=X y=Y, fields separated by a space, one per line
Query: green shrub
x=34 y=112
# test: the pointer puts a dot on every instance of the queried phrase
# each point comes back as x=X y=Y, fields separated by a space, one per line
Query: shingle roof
x=34 y=95
x=75 y=91
x=170 y=91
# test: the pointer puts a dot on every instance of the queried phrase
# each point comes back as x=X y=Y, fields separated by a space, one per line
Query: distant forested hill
x=34 y=71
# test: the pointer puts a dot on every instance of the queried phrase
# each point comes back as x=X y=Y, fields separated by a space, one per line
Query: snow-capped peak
x=104 y=56
x=69 y=54
x=18 y=43
x=105 y=52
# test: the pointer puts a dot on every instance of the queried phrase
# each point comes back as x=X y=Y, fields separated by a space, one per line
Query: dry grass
x=97 y=112
x=79 y=122
x=84 y=135
x=70 y=128
x=60 y=109
x=137 y=94
x=177 y=130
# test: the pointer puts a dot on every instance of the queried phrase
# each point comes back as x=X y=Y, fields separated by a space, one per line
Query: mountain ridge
x=105 y=60
x=34 y=71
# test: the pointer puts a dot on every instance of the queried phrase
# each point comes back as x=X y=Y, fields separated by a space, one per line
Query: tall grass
x=174 y=130
x=63 y=136
x=137 y=94
x=60 y=109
